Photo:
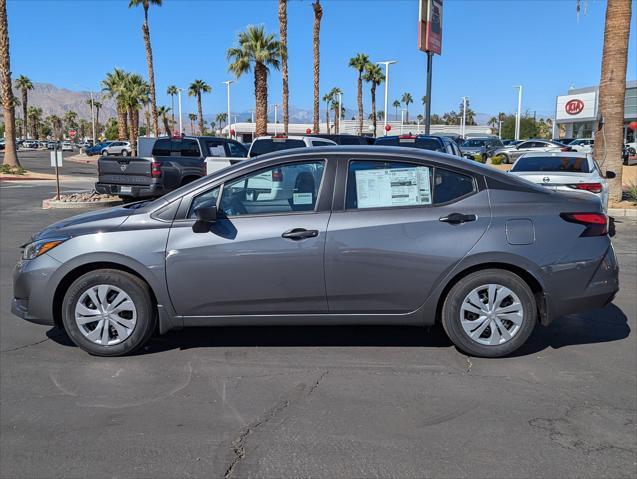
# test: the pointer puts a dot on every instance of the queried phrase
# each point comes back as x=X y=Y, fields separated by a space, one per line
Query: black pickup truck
x=173 y=163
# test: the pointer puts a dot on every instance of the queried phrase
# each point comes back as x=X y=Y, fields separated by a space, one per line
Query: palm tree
x=56 y=125
x=8 y=105
x=359 y=62
x=113 y=86
x=23 y=84
x=221 y=118
x=34 y=114
x=375 y=76
x=136 y=91
x=424 y=103
x=612 y=88
x=195 y=89
x=334 y=94
x=407 y=99
x=328 y=98
x=163 y=111
x=97 y=105
x=283 y=32
x=396 y=106
x=256 y=50
x=149 y=56
x=70 y=120
x=192 y=117
x=172 y=91
x=318 y=14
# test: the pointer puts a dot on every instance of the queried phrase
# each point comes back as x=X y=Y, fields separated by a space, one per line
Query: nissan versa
x=324 y=236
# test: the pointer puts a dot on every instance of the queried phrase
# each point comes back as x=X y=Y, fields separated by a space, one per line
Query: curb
x=55 y=204
x=25 y=178
x=85 y=159
x=622 y=212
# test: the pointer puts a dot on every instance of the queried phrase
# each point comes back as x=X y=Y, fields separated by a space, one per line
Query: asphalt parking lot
x=314 y=401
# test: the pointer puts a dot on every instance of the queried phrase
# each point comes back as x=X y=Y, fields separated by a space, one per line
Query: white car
x=67 y=146
x=583 y=145
x=268 y=144
x=121 y=148
x=563 y=171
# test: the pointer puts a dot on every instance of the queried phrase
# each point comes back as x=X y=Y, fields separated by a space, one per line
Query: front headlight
x=37 y=248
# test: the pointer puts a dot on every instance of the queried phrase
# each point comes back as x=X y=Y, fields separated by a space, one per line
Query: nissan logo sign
x=546 y=179
x=574 y=107
x=123 y=167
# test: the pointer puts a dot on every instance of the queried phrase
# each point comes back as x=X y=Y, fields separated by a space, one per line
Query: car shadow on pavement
x=596 y=326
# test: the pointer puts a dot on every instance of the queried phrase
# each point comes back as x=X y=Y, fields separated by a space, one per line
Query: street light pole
x=340 y=115
x=519 y=114
x=181 y=128
x=276 y=108
x=386 y=63
x=430 y=57
x=464 y=115
x=227 y=83
x=93 y=117
x=402 y=119
x=500 y=129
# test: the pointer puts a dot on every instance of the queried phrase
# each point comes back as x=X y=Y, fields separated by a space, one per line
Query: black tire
x=452 y=308
x=104 y=153
x=139 y=293
x=124 y=153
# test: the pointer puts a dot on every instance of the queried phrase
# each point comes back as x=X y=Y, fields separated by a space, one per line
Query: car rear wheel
x=104 y=152
x=489 y=313
x=124 y=153
x=108 y=312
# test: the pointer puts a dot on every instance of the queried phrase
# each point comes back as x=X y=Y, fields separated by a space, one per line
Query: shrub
x=496 y=160
x=12 y=170
x=478 y=157
x=631 y=192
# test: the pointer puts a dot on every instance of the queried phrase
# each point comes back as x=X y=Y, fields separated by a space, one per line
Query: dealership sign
x=577 y=107
x=430 y=26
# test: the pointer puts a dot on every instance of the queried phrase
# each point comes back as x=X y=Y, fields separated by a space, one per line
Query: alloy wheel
x=105 y=315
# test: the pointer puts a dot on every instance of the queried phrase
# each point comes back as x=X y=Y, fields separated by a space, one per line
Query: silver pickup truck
x=171 y=163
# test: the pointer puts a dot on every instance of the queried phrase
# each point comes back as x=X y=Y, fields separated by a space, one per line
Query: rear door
x=397 y=228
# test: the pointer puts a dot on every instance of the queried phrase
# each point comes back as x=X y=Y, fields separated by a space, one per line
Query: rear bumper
x=136 y=191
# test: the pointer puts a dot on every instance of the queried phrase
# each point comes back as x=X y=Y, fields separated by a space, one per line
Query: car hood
x=103 y=220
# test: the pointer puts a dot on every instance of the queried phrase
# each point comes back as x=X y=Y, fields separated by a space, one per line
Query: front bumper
x=136 y=191
x=32 y=293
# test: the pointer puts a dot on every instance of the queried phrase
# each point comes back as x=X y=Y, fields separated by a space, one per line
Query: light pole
x=402 y=119
x=340 y=114
x=93 y=116
x=387 y=63
x=464 y=114
x=518 y=116
x=500 y=129
x=227 y=83
x=181 y=128
x=276 y=109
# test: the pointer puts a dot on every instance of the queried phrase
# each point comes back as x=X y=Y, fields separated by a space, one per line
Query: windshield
x=433 y=144
x=566 y=164
x=268 y=145
x=474 y=143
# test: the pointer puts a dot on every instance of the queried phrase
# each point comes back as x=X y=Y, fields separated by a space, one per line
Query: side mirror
x=206 y=214
x=610 y=175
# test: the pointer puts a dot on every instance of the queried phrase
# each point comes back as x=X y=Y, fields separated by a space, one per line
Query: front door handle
x=300 y=234
x=457 y=218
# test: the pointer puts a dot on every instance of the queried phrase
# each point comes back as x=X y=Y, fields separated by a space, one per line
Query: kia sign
x=574 y=107
x=430 y=26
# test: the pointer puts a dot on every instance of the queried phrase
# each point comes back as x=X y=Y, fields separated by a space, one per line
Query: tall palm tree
x=396 y=106
x=612 y=90
x=334 y=93
x=328 y=98
x=136 y=95
x=24 y=84
x=113 y=86
x=192 y=117
x=172 y=91
x=374 y=76
x=283 y=32
x=8 y=105
x=35 y=116
x=221 y=118
x=195 y=89
x=149 y=56
x=162 y=111
x=56 y=125
x=97 y=105
x=70 y=120
x=358 y=63
x=407 y=99
x=257 y=50
x=316 y=41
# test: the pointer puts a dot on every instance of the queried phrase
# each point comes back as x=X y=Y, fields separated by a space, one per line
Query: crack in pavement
x=28 y=345
x=469 y=365
x=238 y=444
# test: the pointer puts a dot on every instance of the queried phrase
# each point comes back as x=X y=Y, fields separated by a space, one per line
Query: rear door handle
x=457 y=218
x=300 y=234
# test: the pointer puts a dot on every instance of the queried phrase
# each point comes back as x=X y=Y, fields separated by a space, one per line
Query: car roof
x=284 y=137
x=568 y=154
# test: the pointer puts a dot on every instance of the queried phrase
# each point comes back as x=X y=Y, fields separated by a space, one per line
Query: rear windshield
x=432 y=144
x=474 y=143
x=170 y=147
x=268 y=145
x=571 y=164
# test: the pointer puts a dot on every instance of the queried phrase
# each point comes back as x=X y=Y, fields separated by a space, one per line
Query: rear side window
x=571 y=164
x=268 y=145
x=237 y=150
x=161 y=147
x=449 y=185
x=215 y=148
x=321 y=143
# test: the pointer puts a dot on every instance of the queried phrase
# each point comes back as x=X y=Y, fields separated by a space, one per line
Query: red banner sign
x=430 y=26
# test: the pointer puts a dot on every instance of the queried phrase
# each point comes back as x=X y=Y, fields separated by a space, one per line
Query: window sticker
x=393 y=187
x=216 y=150
x=302 y=198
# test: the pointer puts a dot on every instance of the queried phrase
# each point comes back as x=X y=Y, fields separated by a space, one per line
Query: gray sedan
x=367 y=235
x=509 y=155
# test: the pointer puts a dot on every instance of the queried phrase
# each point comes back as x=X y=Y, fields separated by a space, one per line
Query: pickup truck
x=173 y=163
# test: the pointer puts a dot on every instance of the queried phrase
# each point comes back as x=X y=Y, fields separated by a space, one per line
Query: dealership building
x=576 y=112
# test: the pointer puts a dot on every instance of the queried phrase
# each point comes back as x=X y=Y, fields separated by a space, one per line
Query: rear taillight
x=155 y=170
x=596 y=223
x=277 y=175
x=592 y=187
x=566 y=148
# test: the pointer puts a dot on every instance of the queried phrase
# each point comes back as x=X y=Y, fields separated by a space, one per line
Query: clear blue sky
x=488 y=47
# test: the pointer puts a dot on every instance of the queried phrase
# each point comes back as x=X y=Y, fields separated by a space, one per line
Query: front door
x=404 y=225
x=264 y=255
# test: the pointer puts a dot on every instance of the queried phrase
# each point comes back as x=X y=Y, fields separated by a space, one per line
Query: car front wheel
x=124 y=153
x=108 y=312
x=489 y=313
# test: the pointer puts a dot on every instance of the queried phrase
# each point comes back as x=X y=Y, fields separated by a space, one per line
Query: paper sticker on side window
x=216 y=150
x=380 y=188
x=302 y=198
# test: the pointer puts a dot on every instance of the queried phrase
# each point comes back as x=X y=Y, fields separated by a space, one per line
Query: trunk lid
x=556 y=180
x=124 y=170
